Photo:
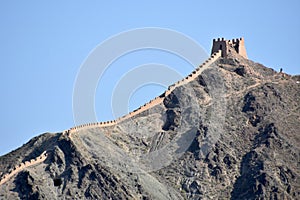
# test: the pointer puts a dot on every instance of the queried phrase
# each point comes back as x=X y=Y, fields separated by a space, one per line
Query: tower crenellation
x=238 y=44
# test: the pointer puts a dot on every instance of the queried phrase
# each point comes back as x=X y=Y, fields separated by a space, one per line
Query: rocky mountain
x=229 y=132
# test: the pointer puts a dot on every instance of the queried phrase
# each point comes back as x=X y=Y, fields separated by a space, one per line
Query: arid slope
x=231 y=133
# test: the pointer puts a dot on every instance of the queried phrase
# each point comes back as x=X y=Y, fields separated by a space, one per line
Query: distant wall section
x=153 y=102
x=22 y=166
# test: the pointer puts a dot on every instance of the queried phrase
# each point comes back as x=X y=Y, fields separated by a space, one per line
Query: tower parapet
x=226 y=45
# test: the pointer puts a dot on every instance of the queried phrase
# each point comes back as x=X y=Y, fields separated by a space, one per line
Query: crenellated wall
x=239 y=46
x=141 y=109
x=223 y=45
x=22 y=166
x=220 y=44
x=91 y=125
x=220 y=49
x=196 y=72
x=153 y=102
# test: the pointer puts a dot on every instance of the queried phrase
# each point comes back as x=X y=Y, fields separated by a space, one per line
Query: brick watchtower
x=225 y=45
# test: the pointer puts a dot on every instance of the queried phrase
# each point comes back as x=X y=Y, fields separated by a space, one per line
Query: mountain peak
x=228 y=130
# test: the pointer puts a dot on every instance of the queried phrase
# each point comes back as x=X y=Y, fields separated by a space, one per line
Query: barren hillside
x=232 y=132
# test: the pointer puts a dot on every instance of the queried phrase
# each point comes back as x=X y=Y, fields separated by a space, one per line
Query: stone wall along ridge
x=22 y=166
x=141 y=109
x=154 y=102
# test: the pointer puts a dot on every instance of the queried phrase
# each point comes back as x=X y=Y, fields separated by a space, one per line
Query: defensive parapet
x=141 y=109
x=91 y=125
x=189 y=78
x=22 y=166
x=153 y=102
x=196 y=72
x=225 y=45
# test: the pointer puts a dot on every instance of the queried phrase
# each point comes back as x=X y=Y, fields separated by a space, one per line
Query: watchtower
x=226 y=45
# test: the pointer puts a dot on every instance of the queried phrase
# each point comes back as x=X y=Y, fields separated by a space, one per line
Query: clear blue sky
x=42 y=46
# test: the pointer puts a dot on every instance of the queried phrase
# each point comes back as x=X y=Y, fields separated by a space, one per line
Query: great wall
x=153 y=102
x=218 y=50
x=22 y=166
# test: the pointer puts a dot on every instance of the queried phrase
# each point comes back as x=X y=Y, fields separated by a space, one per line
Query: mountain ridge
x=242 y=130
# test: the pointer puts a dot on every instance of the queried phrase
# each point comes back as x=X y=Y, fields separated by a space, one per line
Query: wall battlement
x=22 y=166
x=225 y=46
x=153 y=102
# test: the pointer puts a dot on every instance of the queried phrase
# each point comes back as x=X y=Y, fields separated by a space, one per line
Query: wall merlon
x=219 y=39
